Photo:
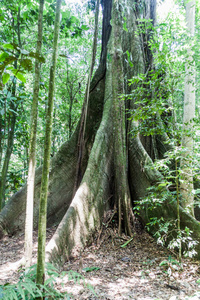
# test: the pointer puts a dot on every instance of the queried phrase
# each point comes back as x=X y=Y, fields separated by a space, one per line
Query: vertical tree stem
x=47 y=148
x=32 y=147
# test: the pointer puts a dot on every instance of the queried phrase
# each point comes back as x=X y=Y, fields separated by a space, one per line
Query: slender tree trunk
x=186 y=185
x=11 y=128
x=9 y=146
x=1 y=139
x=47 y=150
x=32 y=147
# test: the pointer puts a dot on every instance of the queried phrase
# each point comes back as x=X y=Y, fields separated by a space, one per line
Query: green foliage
x=18 y=27
x=166 y=230
x=159 y=91
x=27 y=289
x=157 y=109
x=171 y=264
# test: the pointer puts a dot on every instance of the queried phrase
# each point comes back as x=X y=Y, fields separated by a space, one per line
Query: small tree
x=32 y=147
x=47 y=149
x=188 y=116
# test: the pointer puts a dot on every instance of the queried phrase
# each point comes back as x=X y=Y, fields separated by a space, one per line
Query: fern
x=27 y=289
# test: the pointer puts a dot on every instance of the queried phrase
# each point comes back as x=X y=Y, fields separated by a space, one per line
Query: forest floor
x=133 y=271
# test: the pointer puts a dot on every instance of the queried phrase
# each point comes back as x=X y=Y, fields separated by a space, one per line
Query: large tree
x=114 y=168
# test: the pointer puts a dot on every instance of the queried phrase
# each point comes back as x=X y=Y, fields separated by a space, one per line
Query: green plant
x=157 y=107
x=171 y=265
x=27 y=289
x=167 y=230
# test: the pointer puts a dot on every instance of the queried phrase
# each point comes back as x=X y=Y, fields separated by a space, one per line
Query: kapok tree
x=114 y=168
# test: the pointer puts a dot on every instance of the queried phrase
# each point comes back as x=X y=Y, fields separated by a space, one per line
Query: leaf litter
x=117 y=267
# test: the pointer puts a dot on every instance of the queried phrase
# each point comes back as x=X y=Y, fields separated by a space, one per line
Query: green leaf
x=30 y=286
x=163 y=263
x=3 y=56
x=21 y=291
x=163 y=184
x=73 y=19
x=90 y=269
x=19 y=75
x=125 y=244
x=129 y=58
x=5 y=78
x=196 y=192
x=84 y=27
x=124 y=27
x=8 y=46
x=11 y=293
x=66 y=14
x=1 y=292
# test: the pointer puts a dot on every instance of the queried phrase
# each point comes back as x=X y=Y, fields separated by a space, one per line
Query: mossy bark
x=40 y=276
x=119 y=125
x=32 y=147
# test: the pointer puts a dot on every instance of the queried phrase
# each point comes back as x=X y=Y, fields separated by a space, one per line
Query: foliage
x=171 y=264
x=26 y=288
x=159 y=91
x=18 y=29
x=157 y=108
x=167 y=231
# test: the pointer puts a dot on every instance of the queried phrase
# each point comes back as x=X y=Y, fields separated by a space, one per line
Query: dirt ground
x=115 y=272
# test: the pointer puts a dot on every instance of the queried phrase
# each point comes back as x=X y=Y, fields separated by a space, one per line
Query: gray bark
x=187 y=185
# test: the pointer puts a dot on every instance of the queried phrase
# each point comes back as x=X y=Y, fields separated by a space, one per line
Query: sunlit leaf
x=3 y=56
x=19 y=75
x=84 y=27
x=5 y=78
x=124 y=27
x=8 y=46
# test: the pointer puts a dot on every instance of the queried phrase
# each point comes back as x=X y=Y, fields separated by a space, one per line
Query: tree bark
x=40 y=276
x=32 y=148
x=187 y=185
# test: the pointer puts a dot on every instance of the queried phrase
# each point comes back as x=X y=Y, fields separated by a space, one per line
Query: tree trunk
x=40 y=276
x=114 y=164
x=32 y=148
x=9 y=146
x=119 y=140
x=186 y=185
